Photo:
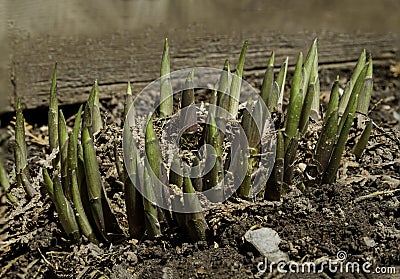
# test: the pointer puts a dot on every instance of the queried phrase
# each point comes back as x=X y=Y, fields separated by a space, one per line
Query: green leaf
x=65 y=212
x=197 y=181
x=352 y=102
x=48 y=183
x=73 y=184
x=309 y=65
x=356 y=72
x=128 y=100
x=306 y=110
x=53 y=113
x=366 y=91
x=94 y=105
x=101 y=212
x=195 y=222
x=20 y=154
x=362 y=142
x=5 y=184
x=237 y=82
x=152 y=147
x=333 y=100
x=295 y=104
x=326 y=141
x=274 y=184
x=118 y=165
x=213 y=138
x=166 y=94
x=133 y=198
x=20 y=137
x=175 y=177
x=153 y=228
x=93 y=181
x=268 y=82
x=315 y=106
x=290 y=156
x=280 y=80
x=187 y=98
x=63 y=151
x=223 y=97
x=330 y=174
x=359 y=66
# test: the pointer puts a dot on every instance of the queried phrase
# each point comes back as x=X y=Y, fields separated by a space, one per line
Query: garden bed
x=313 y=225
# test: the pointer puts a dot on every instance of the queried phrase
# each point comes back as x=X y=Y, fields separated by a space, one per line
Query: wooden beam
x=114 y=59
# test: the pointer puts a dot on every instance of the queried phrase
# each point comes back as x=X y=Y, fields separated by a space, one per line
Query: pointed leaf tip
x=271 y=59
x=19 y=104
x=129 y=88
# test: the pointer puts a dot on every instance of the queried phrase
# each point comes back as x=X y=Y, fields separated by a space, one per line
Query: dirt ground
x=313 y=225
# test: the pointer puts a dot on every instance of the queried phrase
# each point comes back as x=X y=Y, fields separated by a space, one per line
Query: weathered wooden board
x=114 y=59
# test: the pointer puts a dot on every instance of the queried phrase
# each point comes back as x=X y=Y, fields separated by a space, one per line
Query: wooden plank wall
x=120 y=40
x=116 y=58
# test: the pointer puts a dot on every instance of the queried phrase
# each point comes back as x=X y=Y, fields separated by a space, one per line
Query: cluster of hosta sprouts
x=75 y=185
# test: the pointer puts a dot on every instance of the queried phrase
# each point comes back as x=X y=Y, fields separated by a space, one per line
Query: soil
x=313 y=225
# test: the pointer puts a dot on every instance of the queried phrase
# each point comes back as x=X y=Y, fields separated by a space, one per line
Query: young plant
x=237 y=82
x=128 y=100
x=349 y=86
x=212 y=137
x=303 y=105
x=327 y=139
x=5 y=184
x=295 y=104
x=100 y=209
x=166 y=96
x=53 y=115
x=20 y=154
x=75 y=183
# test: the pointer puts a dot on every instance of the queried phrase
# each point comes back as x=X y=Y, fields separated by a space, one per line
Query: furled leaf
x=308 y=67
x=366 y=91
x=166 y=95
x=352 y=102
x=326 y=141
x=128 y=100
x=223 y=94
x=274 y=184
x=133 y=182
x=196 y=224
x=280 y=80
x=349 y=88
x=65 y=212
x=268 y=82
x=306 y=110
x=153 y=228
x=330 y=174
x=152 y=147
x=362 y=142
x=295 y=104
x=5 y=184
x=290 y=156
x=20 y=154
x=213 y=138
x=53 y=114
x=63 y=147
x=333 y=100
x=237 y=82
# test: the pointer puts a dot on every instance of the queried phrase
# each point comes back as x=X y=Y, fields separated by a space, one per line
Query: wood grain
x=114 y=59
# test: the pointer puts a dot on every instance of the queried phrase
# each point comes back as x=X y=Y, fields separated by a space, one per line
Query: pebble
x=369 y=241
x=266 y=241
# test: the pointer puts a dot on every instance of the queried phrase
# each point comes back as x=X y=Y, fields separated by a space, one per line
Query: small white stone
x=369 y=241
x=266 y=241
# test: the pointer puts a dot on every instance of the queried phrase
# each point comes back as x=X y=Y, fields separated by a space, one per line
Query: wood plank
x=114 y=59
